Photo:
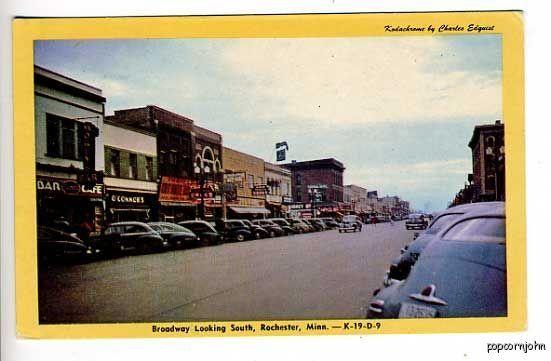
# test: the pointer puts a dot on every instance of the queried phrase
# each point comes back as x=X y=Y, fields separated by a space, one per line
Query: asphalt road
x=321 y=275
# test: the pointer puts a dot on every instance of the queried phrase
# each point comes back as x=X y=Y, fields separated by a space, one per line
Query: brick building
x=488 y=155
x=318 y=181
x=188 y=158
x=279 y=193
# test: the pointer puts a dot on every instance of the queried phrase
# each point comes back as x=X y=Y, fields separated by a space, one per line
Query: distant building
x=488 y=155
x=318 y=183
x=65 y=159
x=357 y=198
x=279 y=191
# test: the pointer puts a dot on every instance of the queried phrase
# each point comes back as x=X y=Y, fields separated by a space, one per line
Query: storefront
x=130 y=206
x=175 y=199
x=64 y=203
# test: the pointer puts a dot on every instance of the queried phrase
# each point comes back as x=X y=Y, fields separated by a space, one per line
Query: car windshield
x=178 y=228
x=440 y=222
x=247 y=222
x=414 y=217
x=478 y=230
x=156 y=227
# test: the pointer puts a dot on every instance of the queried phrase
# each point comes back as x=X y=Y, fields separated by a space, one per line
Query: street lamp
x=201 y=173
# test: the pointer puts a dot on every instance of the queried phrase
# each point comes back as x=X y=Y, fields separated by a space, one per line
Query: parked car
x=273 y=229
x=400 y=267
x=206 y=233
x=330 y=222
x=286 y=226
x=299 y=226
x=416 y=221
x=55 y=246
x=461 y=273
x=350 y=223
x=177 y=236
x=318 y=224
x=256 y=230
x=314 y=226
x=130 y=236
x=233 y=230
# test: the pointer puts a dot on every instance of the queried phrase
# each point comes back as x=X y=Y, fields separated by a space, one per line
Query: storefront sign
x=68 y=187
x=235 y=178
x=273 y=199
x=287 y=199
x=260 y=189
x=317 y=186
x=120 y=198
x=175 y=189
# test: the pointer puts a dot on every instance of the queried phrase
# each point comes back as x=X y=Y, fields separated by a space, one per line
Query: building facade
x=356 y=196
x=69 y=118
x=246 y=173
x=279 y=191
x=130 y=173
x=488 y=155
x=318 y=185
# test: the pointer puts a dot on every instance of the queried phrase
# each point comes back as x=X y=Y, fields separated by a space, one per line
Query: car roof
x=128 y=224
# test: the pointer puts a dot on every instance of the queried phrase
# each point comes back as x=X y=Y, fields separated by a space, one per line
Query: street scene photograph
x=269 y=179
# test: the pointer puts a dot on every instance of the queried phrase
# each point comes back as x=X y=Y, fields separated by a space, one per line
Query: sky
x=397 y=111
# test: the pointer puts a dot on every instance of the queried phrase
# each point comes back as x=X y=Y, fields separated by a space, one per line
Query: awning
x=250 y=210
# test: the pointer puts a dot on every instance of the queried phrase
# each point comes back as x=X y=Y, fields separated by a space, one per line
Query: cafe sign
x=67 y=187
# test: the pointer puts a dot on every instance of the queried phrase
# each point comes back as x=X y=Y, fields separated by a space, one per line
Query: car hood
x=470 y=278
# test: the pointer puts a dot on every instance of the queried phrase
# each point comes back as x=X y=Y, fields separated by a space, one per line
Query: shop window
x=132 y=166
x=114 y=163
x=148 y=168
x=63 y=137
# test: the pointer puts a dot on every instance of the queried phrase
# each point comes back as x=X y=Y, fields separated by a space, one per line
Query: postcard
x=269 y=175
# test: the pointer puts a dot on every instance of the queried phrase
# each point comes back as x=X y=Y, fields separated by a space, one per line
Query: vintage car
x=416 y=221
x=130 y=236
x=284 y=224
x=55 y=246
x=273 y=229
x=256 y=230
x=206 y=233
x=350 y=223
x=177 y=236
x=461 y=273
x=400 y=267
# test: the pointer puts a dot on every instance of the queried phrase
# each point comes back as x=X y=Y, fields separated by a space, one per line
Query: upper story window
x=132 y=166
x=298 y=180
x=114 y=166
x=63 y=137
x=148 y=168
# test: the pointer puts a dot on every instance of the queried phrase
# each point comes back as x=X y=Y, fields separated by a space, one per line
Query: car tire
x=272 y=234
x=240 y=237
x=257 y=235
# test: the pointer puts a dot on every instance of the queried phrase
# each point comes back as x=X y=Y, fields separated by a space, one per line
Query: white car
x=350 y=223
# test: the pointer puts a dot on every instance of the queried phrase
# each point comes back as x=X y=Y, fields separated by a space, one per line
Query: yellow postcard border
x=507 y=23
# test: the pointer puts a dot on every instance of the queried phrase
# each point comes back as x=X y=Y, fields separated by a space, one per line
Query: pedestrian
x=391 y=220
x=373 y=220
x=84 y=230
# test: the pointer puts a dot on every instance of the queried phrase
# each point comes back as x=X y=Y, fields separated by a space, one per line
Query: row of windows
x=63 y=138
x=115 y=167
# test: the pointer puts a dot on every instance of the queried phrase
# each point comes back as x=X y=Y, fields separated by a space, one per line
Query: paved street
x=309 y=276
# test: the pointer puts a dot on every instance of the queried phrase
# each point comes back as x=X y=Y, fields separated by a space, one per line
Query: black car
x=207 y=235
x=400 y=267
x=273 y=229
x=330 y=222
x=55 y=246
x=256 y=230
x=416 y=221
x=461 y=273
x=284 y=224
x=233 y=230
x=318 y=224
x=177 y=236
x=130 y=236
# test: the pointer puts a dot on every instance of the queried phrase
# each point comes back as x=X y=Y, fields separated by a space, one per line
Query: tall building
x=318 y=183
x=69 y=151
x=488 y=155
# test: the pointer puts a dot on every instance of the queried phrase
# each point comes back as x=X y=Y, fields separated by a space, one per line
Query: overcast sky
x=398 y=112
